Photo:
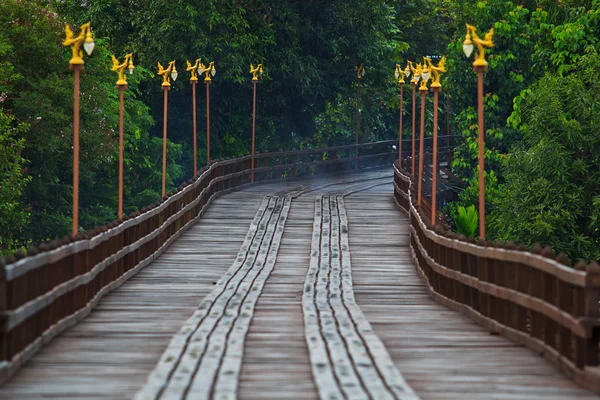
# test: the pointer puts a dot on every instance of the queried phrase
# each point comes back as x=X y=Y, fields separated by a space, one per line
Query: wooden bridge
x=322 y=279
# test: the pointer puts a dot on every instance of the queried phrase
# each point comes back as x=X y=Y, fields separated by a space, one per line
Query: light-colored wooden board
x=441 y=353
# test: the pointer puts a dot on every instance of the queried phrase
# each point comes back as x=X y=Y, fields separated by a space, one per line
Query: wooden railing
x=55 y=285
x=528 y=296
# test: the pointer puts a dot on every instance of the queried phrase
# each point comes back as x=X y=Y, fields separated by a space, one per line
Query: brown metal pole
x=357 y=109
x=164 y=163
x=194 y=118
x=357 y=122
x=480 y=71
x=414 y=118
x=207 y=122
x=121 y=123
x=253 y=129
x=436 y=92
x=421 y=146
x=400 y=131
x=76 y=70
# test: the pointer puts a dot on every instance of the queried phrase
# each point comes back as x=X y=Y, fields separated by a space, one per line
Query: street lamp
x=436 y=88
x=255 y=71
x=76 y=64
x=416 y=72
x=425 y=74
x=121 y=85
x=167 y=74
x=360 y=73
x=399 y=74
x=194 y=80
x=208 y=72
x=480 y=66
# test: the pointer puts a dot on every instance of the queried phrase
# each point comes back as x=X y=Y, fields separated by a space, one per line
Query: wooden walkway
x=440 y=353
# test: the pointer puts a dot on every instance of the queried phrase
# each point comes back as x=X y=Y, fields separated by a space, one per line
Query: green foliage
x=37 y=93
x=538 y=188
x=14 y=217
x=309 y=50
x=552 y=189
x=466 y=220
x=540 y=102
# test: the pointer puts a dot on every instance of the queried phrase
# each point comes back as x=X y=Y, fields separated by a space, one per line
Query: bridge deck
x=440 y=353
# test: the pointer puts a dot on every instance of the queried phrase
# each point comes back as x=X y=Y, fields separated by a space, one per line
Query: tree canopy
x=540 y=103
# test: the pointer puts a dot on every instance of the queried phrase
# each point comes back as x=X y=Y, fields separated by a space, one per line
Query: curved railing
x=55 y=285
x=530 y=297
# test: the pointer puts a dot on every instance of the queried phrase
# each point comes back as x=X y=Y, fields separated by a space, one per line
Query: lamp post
x=194 y=80
x=436 y=88
x=122 y=85
x=255 y=72
x=423 y=89
x=399 y=74
x=167 y=74
x=76 y=64
x=208 y=72
x=480 y=67
x=413 y=83
x=360 y=73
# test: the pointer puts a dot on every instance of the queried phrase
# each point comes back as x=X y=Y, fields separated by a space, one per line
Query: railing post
x=586 y=349
x=3 y=308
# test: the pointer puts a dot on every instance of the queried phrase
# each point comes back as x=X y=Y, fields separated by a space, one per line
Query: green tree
x=552 y=189
x=14 y=216
x=37 y=92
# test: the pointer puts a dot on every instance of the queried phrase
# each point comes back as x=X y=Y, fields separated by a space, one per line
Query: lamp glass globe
x=89 y=47
x=174 y=75
x=468 y=49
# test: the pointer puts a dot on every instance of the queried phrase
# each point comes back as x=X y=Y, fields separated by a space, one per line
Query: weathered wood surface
x=348 y=360
x=110 y=353
x=276 y=361
x=440 y=353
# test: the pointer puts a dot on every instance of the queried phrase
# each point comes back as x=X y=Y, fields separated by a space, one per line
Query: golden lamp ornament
x=255 y=71
x=120 y=68
x=472 y=37
x=416 y=72
x=360 y=71
x=84 y=38
x=193 y=69
x=169 y=73
x=436 y=71
x=425 y=75
x=210 y=71
x=399 y=74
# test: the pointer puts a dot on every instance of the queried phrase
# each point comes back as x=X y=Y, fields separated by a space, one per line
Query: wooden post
x=436 y=92
x=121 y=128
x=207 y=122
x=414 y=117
x=3 y=308
x=480 y=71
x=421 y=146
x=400 y=130
x=194 y=123
x=253 y=129
x=357 y=122
x=76 y=69
x=164 y=163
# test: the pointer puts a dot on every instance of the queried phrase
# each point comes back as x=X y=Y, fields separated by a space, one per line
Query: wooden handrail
x=57 y=284
x=530 y=297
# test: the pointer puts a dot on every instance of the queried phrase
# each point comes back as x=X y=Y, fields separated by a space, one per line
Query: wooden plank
x=441 y=353
x=110 y=353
